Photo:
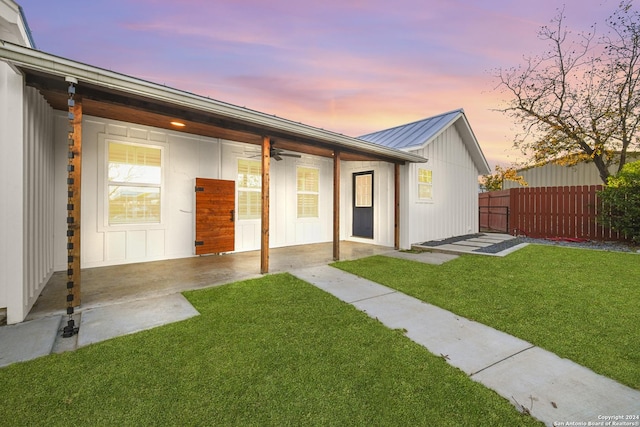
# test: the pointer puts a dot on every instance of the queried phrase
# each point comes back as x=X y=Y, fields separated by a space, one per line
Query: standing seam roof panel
x=412 y=134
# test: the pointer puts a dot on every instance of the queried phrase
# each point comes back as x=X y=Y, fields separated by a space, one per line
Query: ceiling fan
x=278 y=153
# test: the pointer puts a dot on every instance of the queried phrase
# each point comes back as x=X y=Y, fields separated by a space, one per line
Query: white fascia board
x=15 y=22
x=63 y=67
x=475 y=150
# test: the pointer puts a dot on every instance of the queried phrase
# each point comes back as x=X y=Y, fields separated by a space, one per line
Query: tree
x=621 y=199
x=494 y=182
x=580 y=100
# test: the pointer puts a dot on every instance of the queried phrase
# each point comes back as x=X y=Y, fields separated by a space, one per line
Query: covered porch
x=94 y=102
x=121 y=283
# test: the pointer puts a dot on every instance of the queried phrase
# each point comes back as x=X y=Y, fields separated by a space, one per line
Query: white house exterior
x=439 y=198
x=150 y=214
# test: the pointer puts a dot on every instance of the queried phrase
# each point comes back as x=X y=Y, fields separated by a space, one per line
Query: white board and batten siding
x=383 y=201
x=453 y=210
x=11 y=190
x=26 y=171
x=185 y=157
x=285 y=228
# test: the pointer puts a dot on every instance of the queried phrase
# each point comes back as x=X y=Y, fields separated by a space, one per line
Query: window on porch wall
x=249 y=189
x=135 y=183
x=307 y=192
x=425 y=184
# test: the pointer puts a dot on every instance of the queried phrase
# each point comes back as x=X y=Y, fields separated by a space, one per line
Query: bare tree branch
x=581 y=98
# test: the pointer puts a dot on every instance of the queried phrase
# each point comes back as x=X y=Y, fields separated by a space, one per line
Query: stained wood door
x=215 y=216
x=363 y=204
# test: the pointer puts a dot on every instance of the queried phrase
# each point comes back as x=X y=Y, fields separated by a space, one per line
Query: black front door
x=363 y=204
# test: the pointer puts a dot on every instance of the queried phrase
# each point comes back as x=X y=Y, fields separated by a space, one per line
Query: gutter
x=55 y=65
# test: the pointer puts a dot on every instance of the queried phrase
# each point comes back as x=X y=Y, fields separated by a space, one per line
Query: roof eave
x=51 y=64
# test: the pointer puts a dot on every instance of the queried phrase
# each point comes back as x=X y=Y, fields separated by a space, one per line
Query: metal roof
x=416 y=135
x=413 y=135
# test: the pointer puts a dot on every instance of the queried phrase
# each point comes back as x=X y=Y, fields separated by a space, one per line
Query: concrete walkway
x=551 y=389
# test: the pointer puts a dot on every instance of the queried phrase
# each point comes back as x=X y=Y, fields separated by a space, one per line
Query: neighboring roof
x=48 y=72
x=417 y=135
x=570 y=160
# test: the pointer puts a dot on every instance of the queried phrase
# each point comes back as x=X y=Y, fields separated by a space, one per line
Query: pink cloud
x=352 y=66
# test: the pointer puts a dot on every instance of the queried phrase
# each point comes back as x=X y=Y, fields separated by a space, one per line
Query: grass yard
x=581 y=304
x=270 y=351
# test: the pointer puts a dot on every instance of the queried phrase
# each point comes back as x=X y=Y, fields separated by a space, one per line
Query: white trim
x=317 y=193
x=245 y=189
x=419 y=183
x=103 y=183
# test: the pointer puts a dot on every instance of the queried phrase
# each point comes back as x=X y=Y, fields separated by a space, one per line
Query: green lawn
x=581 y=304
x=270 y=351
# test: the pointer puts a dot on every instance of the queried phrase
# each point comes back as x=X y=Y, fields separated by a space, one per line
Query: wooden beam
x=74 y=188
x=264 y=243
x=107 y=102
x=336 y=205
x=396 y=221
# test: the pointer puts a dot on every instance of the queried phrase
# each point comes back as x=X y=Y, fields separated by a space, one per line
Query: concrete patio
x=123 y=283
x=124 y=299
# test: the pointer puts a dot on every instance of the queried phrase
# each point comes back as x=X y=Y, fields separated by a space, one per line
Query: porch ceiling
x=116 y=96
x=113 y=104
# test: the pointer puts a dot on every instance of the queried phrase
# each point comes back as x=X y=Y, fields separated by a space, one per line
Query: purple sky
x=350 y=66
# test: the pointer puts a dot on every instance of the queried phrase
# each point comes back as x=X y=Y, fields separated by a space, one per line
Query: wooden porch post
x=396 y=223
x=74 y=192
x=336 y=205
x=264 y=243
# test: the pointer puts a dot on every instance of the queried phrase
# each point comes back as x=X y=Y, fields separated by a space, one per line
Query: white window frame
x=422 y=184
x=241 y=189
x=306 y=192
x=103 y=176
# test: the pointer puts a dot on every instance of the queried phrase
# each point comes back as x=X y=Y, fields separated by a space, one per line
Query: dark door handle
x=233 y=214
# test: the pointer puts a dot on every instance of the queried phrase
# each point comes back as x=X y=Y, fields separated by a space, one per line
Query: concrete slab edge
x=29 y=340
x=510 y=250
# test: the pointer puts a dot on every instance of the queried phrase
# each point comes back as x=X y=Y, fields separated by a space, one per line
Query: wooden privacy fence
x=545 y=212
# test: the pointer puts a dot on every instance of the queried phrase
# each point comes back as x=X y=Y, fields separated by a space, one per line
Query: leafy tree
x=621 y=198
x=494 y=182
x=581 y=98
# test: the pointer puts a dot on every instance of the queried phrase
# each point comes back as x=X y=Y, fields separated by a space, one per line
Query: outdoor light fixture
x=178 y=124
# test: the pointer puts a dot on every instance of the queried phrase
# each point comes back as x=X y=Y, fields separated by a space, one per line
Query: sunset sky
x=350 y=66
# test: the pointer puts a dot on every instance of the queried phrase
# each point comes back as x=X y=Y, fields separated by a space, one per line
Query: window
x=364 y=196
x=425 y=184
x=249 y=189
x=307 y=192
x=135 y=181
